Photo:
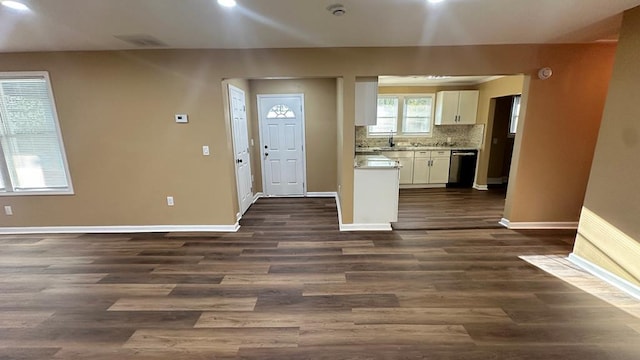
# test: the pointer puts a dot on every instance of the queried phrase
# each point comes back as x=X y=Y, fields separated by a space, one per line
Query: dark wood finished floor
x=443 y=209
x=289 y=285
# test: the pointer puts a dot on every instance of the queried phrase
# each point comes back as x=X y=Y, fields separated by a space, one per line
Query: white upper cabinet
x=366 y=101
x=457 y=107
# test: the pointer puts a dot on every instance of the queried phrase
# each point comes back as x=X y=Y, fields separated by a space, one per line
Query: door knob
x=266 y=154
x=239 y=161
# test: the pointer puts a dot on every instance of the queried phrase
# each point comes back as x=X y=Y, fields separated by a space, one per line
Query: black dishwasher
x=462 y=169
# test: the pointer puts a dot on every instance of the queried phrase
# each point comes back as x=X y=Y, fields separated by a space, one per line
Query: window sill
x=403 y=135
x=36 y=193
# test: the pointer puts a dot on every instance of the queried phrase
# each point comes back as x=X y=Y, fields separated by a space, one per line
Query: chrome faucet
x=391 y=143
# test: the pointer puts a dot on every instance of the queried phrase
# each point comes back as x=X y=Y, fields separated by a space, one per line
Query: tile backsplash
x=467 y=135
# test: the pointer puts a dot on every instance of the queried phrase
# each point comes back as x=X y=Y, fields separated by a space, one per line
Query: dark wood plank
x=290 y=285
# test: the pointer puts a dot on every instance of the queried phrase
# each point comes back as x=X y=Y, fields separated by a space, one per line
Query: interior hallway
x=289 y=285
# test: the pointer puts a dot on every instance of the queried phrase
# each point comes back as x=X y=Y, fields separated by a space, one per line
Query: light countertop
x=375 y=162
x=374 y=149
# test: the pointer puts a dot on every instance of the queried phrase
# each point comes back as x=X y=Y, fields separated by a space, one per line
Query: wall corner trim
x=117 y=229
x=538 y=225
x=605 y=275
x=480 y=187
x=257 y=196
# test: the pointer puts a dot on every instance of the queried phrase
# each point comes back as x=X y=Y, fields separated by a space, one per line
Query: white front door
x=282 y=144
x=238 y=112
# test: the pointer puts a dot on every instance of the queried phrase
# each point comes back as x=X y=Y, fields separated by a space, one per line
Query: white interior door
x=282 y=144
x=238 y=111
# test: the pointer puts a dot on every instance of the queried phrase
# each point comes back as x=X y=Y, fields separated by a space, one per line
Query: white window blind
x=417 y=114
x=387 y=121
x=32 y=153
x=515 y=114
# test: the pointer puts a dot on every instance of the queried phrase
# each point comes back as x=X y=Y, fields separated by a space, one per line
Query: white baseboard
x=606 y=276
x=238 y=216
x=538 y=225
x=480 y=187
x=423 y=186
x=365 y=227
x=257 y=196
x=117 y=229
x=327 y=194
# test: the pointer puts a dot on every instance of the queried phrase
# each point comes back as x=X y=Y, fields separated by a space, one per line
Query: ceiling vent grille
x=141 y=40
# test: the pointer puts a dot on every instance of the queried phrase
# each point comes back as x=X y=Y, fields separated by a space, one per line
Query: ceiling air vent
x=141 y=40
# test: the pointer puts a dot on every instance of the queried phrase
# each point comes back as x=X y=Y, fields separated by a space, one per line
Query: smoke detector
x=337 y=9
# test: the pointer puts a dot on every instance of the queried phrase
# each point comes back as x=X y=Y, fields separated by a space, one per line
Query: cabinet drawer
x=441 y=153
x=423 y=154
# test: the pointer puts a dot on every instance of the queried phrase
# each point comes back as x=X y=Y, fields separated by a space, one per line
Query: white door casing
x=241 y=156
x=282 y=137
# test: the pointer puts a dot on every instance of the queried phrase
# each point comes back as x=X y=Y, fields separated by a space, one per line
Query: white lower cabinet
x=431 y=167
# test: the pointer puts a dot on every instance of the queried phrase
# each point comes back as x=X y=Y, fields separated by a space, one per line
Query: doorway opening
x=456 y=118
x=505 y=122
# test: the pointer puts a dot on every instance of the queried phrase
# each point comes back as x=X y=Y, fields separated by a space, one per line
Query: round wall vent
x=337 y=9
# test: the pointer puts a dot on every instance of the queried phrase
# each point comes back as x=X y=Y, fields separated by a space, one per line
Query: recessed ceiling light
x=227 y=3
x=434 y=1
x=15 y=5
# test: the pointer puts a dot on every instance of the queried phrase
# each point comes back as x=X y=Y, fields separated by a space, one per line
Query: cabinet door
x=421 y=170
x=468 y=107
x=406 y=171
x=447 y=107
x=439 y=173
x=366 y=102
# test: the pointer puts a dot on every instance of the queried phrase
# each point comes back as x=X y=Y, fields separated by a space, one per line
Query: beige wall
x=556 y=136
x=612 y=194
x=508 y=85
x=127 y=154
x=320 y=128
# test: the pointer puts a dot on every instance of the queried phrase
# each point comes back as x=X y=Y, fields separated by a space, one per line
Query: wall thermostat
x=182 y=118
x=545 y=73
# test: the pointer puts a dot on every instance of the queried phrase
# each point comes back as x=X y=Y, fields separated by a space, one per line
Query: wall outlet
x=8 y=210
x=251 y=142
x=205 y=150
x=170 y=201
x=448 y=140
x=182 y=118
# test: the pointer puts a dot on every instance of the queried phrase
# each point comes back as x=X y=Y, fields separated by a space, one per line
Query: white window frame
x=401 y=116
x=8 y=191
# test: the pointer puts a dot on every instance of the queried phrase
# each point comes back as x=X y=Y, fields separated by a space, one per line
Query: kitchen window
x=409 y=115
x=32 y=158
x=515 y=114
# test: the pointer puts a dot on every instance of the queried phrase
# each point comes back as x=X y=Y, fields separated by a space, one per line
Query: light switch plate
x=182 y=118
x=170 y=201
x=205 y=150
x=8 y=210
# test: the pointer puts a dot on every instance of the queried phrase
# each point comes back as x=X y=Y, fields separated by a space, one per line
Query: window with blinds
x=32 y=158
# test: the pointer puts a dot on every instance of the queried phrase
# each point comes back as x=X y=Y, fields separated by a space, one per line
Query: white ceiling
x=92 y=24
